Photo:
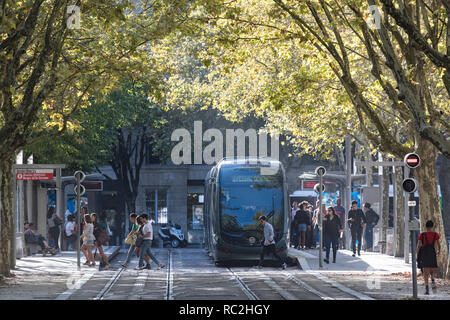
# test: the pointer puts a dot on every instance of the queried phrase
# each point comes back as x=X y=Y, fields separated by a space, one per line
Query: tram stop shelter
x=31 y=201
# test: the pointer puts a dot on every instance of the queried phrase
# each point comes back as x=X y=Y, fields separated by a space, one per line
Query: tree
x=49 y=69
x=120 y=131
x=331 y=75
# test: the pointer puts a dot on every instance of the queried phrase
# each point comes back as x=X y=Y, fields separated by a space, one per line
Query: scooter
x=171 y=233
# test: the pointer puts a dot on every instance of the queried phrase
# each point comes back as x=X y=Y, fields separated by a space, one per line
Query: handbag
x=131 y=239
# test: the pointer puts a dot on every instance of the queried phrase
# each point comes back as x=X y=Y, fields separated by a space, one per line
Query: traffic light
x=412 y=160
x=410 y=185
x=320 y=171
x=317 y=190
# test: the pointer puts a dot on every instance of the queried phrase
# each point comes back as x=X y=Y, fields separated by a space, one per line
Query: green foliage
x=91 y=144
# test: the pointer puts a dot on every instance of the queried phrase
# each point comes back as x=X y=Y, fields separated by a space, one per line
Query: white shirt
x=70 y=226
x=293 y=212
x=88 y=232
x=146 y=229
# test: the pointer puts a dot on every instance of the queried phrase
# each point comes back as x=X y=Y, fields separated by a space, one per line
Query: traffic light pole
x=78 y=220
x=413 y=226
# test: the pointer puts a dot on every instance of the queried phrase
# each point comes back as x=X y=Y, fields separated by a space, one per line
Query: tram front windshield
x=245 y=195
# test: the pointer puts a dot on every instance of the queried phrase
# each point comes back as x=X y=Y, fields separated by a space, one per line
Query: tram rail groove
x=169 y=288
x=109 y=285
x=249 y=293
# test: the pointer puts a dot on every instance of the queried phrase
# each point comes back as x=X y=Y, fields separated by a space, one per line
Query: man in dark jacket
x=357 y=221
x=372 y=219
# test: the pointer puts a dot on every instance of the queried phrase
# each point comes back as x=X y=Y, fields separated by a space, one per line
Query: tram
x=238 y=192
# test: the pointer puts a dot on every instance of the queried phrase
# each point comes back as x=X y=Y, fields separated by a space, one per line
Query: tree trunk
x=369 y=169
x=444 y=182
x=429 y=200
x=385 y=199
x=399 y=224
x=6 y=217
x=131 y=204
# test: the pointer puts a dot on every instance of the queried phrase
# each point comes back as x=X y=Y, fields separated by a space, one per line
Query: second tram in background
x=238 y=192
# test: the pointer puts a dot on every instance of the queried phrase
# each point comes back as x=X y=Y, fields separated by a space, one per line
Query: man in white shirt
x=71 y=234
x=147 y=234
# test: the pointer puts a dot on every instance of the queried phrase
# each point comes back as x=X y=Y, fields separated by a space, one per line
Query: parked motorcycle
x=172 y=234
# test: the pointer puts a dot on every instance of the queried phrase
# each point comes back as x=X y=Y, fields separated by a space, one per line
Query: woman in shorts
x=88 y=240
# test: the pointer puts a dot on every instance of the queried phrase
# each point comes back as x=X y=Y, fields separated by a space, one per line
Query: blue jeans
x=369 y=236
x=315 y=235
x=145 y=249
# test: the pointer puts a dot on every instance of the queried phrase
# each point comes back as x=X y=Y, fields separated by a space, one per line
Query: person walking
x=88 y=240
x=268 y=243
x=340 y=211
x=132 y=235
x=147 y=235
x=53 y=223
x=302 y=222
x=356 y=221
x=101 y=237
x=332 y=228
x=139 y=240
x=428 y=249
x=372 y=219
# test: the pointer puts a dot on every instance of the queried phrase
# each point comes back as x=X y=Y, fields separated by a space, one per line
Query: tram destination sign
x=34 y=174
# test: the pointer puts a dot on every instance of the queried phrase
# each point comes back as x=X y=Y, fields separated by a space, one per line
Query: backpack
x=424 y=245
x=103 y=235
x=57 y=221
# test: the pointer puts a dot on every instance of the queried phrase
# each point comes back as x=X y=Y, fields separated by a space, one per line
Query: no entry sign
x=34 y=174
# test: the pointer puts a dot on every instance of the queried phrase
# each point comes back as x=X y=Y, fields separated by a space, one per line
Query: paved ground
x=190 y=275
x=377 y=275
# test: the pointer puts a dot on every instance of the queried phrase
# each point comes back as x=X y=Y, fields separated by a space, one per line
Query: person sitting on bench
x=32 y=238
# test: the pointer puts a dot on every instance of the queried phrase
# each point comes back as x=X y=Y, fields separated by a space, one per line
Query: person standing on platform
x=332 y=228
x=309 y=231
x=372 y=219
x=294 y=210
x=302 y=222
x=340 y=211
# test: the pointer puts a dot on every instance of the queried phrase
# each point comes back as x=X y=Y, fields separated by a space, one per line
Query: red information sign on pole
x=35 y=174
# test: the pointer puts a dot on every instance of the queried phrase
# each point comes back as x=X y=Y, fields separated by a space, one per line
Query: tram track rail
x=109 y=285
x=248 y=292
x=169 y=287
